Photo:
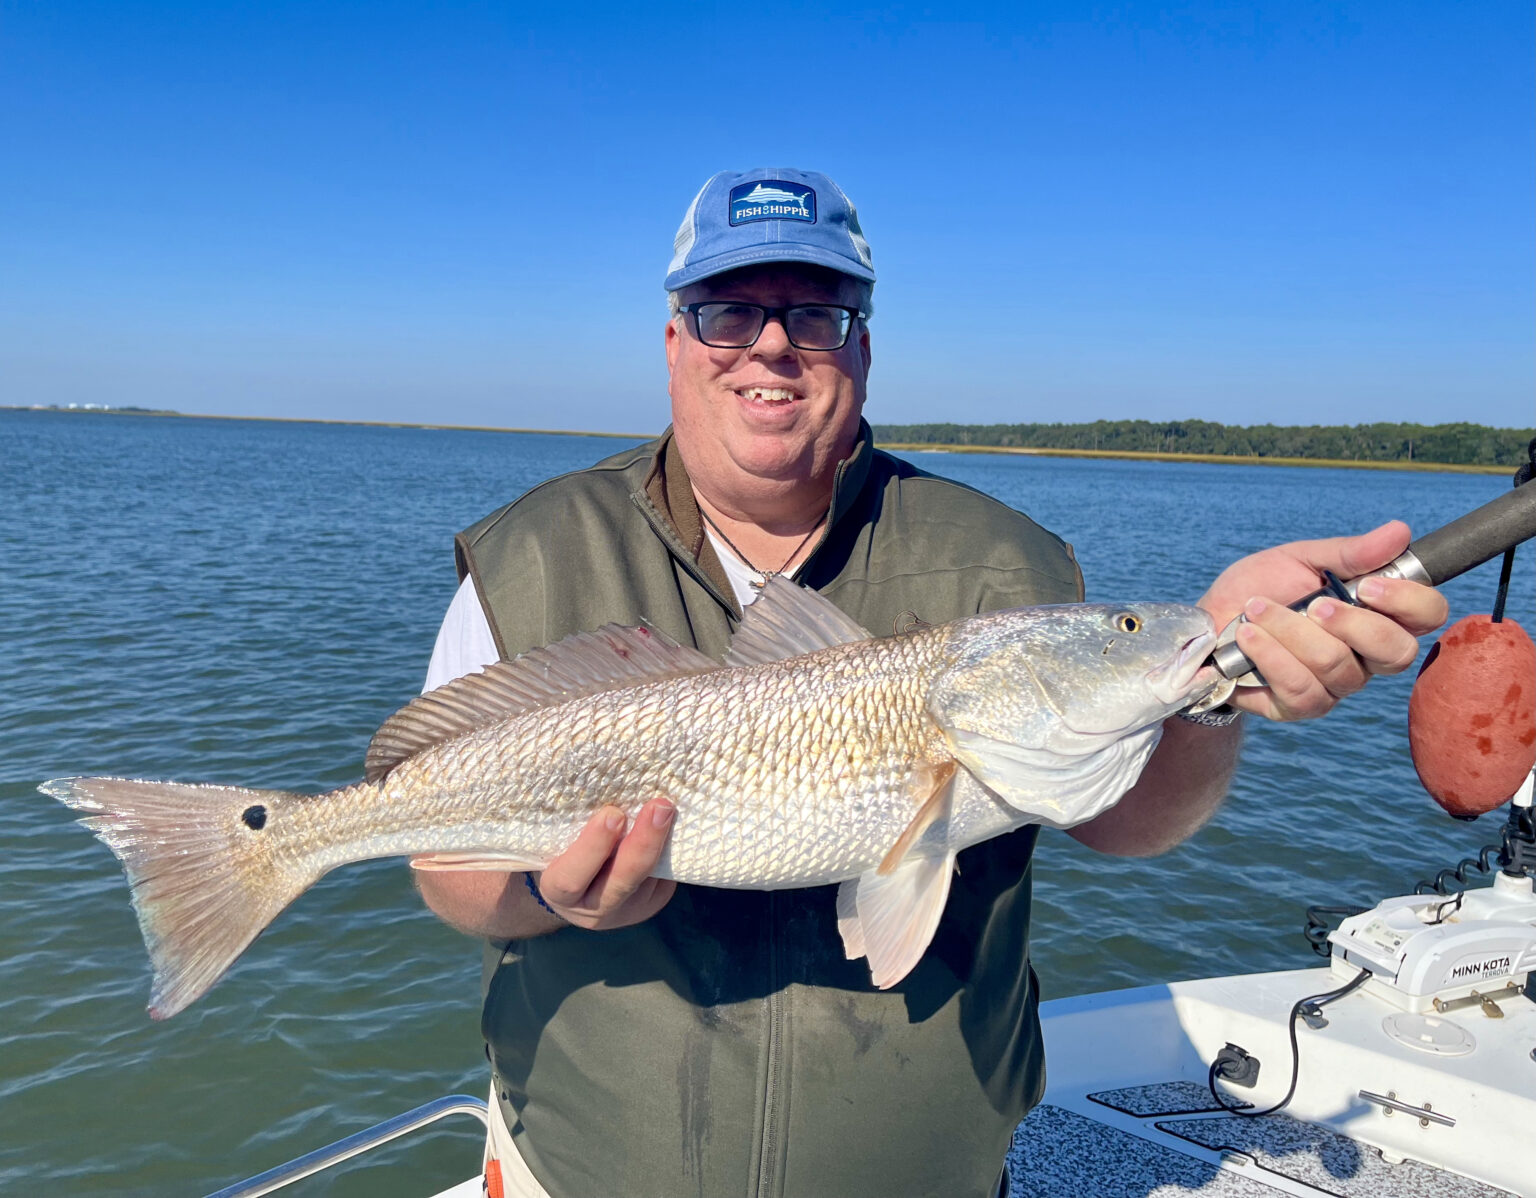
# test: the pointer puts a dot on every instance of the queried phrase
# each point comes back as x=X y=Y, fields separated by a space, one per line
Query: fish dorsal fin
x=786 y=620
x=584 y=664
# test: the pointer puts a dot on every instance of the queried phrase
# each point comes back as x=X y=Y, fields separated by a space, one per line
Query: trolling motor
x=1442 y=950
x=1436 y=952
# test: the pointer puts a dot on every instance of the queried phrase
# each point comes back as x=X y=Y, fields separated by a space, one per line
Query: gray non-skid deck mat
x=1325 y=1159
x=1164 y=1098
x=1060 y=1154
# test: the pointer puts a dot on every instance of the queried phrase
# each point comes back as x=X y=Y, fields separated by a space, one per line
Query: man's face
x=769 y=412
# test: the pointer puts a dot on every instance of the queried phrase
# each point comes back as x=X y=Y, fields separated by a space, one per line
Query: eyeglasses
x=727 y=325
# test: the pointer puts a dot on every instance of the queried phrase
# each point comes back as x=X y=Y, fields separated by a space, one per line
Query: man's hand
x=1310 y=661
x=603 y=880
x=1313 y=660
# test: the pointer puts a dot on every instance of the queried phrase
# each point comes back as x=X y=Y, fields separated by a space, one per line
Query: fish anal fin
x=587 y=663
x=891 y=918
x=500 y=862
x=936 y=779
x=786 y=620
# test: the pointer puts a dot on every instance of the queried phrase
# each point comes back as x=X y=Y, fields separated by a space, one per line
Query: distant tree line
x=1456 y=444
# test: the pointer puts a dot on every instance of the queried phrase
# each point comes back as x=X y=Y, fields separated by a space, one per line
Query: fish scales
x=818 y=754
x=784 y=774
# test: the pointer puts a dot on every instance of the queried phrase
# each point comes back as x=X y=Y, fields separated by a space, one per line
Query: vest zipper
x=769 y=1181
x=680 y=553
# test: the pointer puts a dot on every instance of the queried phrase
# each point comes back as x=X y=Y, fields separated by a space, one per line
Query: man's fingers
x=652 y=895
x=1295 y=690
x=1311 y=660
x=625 y=872
x=642 y=848
x=607 y=870
x=569 y=876
x=1350 y=557
x=1378 y=641
x=1315 y=645
x=1418 y=608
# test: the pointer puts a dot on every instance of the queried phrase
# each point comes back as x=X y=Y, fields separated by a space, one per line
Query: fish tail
x=203 y=878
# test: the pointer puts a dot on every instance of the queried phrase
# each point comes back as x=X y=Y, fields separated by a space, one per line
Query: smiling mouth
x=766 y=395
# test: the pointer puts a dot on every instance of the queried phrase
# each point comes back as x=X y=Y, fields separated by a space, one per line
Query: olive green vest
x=726 y=1047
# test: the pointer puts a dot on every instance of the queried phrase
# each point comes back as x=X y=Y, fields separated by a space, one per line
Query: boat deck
x=1059 y=1153
x=1127 y=1112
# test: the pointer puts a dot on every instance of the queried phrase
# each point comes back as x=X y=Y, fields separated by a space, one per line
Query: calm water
x=245 y=602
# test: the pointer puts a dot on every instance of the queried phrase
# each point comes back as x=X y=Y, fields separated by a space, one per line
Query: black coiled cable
x=1455 y=880
x=1514 y=854
x=1321 y=921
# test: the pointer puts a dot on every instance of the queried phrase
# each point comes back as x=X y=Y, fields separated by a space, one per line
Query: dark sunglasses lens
x=732 y=325
x=815 y=326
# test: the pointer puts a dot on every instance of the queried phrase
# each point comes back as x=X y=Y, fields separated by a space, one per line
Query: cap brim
x=781 y=252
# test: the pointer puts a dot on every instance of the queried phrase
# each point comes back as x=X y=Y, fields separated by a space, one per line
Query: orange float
x=1472 y=716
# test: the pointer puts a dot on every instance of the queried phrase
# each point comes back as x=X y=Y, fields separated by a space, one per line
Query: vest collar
x=666 y=497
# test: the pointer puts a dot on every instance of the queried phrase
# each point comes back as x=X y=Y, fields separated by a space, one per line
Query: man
x=647 y=1038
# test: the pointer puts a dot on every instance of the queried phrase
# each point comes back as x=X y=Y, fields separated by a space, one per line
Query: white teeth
x=767 y=394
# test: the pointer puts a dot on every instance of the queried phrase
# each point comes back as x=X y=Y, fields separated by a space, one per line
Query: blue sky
x=1291 y=213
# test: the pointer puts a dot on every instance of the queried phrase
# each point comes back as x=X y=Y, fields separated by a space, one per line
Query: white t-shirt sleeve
x=464 y=642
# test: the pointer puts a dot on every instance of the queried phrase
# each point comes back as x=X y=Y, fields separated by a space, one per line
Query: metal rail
x=353 y=1145
x=1390 y=1102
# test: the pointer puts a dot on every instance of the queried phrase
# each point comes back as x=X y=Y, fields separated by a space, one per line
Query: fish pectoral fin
x=891 y=918
x=936 y=784
x=502 y=862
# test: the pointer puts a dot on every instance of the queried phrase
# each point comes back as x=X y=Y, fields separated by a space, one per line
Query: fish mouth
x=1177 y=680
x=1175 y=683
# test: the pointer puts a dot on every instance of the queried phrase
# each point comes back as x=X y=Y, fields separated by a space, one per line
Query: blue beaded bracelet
x=533 y=889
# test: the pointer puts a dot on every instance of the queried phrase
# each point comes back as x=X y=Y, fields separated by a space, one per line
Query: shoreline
x=1211 y=459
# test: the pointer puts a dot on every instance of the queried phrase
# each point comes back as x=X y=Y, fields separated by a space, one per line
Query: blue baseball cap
x=770 y=214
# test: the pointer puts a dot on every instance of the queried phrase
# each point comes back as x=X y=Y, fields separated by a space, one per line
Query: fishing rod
x=1434 y=558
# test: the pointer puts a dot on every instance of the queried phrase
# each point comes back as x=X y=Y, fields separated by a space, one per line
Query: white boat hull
x=1122 y=1064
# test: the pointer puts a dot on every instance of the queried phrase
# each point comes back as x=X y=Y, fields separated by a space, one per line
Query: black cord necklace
x=747 y=561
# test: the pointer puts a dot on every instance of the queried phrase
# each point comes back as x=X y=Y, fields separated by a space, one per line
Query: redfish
x=815 y=753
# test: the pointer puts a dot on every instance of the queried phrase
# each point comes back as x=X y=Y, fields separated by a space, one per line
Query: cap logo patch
x=772 y=199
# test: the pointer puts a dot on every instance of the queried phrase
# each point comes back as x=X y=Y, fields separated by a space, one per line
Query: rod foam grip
x=1479 y=535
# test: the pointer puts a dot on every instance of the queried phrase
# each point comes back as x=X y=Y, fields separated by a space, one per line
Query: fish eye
x=1126 y=622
